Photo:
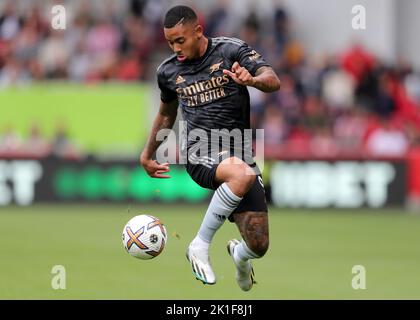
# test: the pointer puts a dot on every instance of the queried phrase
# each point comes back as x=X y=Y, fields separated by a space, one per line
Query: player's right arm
x=164 y=119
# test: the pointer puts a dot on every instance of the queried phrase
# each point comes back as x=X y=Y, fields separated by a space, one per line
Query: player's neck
x=204 y=42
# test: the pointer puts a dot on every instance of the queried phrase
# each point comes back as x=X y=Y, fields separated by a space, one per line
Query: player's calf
x=253 y=227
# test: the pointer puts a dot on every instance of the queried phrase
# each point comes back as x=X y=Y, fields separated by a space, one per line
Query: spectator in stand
x=10 y=21
x=129 y=68
x=293 y=56
x=281 y=28
x=385 y=104
x=137 y=7
x=322 y=143
x=5 y=52
x=79 y=63
x=75 y=36
x=135 y=48
x=412 y=86
x=357 y=62
x=309 y=78
x=10 y=142
x=275 y=128
x=102 y=44
x=412 y=132
x=218 y=19
x=287 y=100
x=36 y=145
x=298 y=140
x=257 y=102
x=152 y=14
x=410 y=79
x=364 y=70
x=54 y=54
x=250 y=31
x=315 y=114
x=387 y=140
x=262 y=12
x=350 y=129
x=26 y=44
x=13 y=73
x=62 y=146
x=338 y=88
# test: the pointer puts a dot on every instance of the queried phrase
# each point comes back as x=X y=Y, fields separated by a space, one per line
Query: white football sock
x=222 y=204
x=242 y=254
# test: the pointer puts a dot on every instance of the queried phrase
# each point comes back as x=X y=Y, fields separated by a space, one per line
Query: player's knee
x=247 y=180
x=238 y=174
x=241 y=183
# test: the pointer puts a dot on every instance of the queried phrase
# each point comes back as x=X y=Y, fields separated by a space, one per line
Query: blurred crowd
x=93 y=47
x=37 y=145
x=342 y=103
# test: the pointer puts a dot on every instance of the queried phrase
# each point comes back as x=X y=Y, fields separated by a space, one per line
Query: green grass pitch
x=311 y=255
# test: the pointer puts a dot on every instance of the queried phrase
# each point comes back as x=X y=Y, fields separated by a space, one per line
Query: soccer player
x=208 y=79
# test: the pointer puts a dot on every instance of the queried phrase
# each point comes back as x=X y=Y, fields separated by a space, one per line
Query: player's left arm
x=265 y=78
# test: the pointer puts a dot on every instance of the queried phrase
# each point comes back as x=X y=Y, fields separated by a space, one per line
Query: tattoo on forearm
x=153 y=143
x=164 y=120
x=267 y=80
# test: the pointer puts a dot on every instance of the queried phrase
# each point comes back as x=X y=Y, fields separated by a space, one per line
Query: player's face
x=184 y=40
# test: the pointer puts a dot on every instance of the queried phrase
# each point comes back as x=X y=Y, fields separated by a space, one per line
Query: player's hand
x=240 y=75
x=154 y=169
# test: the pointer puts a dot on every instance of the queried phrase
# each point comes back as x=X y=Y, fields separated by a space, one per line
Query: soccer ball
x=144 y=237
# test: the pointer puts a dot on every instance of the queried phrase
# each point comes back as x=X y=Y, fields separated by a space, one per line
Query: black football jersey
x=208 y=98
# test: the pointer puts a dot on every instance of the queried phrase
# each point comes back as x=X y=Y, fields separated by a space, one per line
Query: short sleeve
x=166 y=94
x=250 y=59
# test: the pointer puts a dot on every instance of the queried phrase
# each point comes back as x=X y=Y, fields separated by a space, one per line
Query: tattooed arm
x=265 y=78
x=164 y=120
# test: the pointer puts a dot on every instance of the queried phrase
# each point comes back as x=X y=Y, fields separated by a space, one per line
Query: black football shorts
x=203 y=171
